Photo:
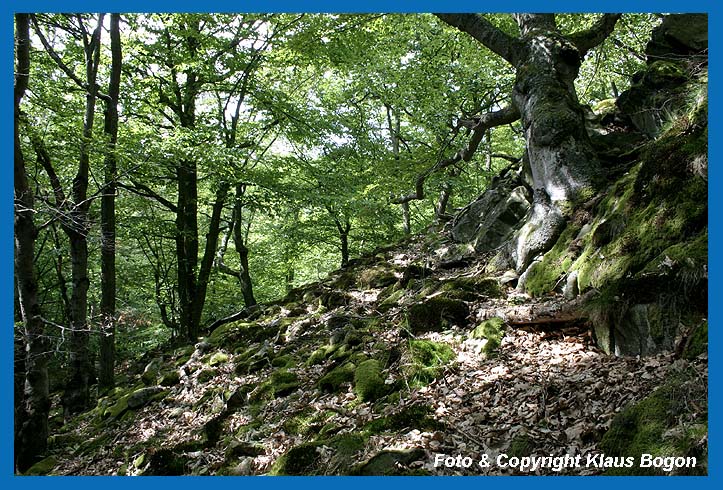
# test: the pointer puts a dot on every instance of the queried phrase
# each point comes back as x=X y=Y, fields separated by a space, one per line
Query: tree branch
x=483 y=31
x=507 y=115
x=590 y=38
x=145 y=191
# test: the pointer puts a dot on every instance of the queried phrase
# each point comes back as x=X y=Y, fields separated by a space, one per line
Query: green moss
x=376 y=277
x=545 y=275
x=299 y=460
x=285 y=361
x=320 y=355
x=42 y=467
x=368 y=382
x=697 y=343
x=653 y=425
x=170 y=378
x=300 y=423
x=391 y=300
x=118 y=409
x=436 y=314
x=218 y=358
x=412 y=417
x=283 y=383
x=332 y=381
x=428 y=359
x=493 y=330
x=387 y=463
x=206 y=375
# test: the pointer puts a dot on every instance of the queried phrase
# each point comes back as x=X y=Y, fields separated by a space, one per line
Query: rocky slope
x=439 y=346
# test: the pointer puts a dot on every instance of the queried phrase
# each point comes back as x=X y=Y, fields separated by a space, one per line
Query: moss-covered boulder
x=42 y=467
x=672 y=421
x=332 y=381
x=299 y=460
x=281 y=383
x=388 y=463
x=165 y=462
x=427 y=360
x=436 y=314
x=697 y=343
x=491 y=330
x=151 y=372
x=218 y=358
x=368 y=381
x=170 y=378
x=376 y=277
x=411 y=417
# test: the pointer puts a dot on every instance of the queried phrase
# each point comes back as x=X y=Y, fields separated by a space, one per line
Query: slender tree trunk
x=242 y=250
x=406 y=218
x=81 y=370
x=204 y=274
x=32 y=419
x=106 y=378
x=444 y=196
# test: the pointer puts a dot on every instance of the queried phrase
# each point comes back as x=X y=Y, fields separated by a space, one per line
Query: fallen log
x=547 y=312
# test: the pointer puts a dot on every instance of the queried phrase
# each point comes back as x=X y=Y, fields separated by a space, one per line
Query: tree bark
x=106 y=378
x=565 y=168
x=243 y=252
x=32 y=417
x=81 y=370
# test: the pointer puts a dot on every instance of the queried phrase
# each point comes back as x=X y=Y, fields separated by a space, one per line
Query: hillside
x=448 y=343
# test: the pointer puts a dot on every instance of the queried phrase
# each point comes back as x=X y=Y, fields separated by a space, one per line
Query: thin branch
x=507 y=115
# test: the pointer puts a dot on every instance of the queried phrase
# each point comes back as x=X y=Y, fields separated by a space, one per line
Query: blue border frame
x=712 y=7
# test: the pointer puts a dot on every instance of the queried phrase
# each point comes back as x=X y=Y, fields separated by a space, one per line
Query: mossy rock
x=332 y=381
x=376 y=277
x=428 y=359
x=170 y=378
x=697 y=343
x=206 y=375
x=320 y=355
x=412 y=417
x=281 y=383
x=299 y=460
x=653 y=426
x=436 y=314
x=334 y=299
x=492 y=330
x=118 y=409
x=392 y=300
x=244 y=333
x=42 y=467
x=165 y=462
x=218 y=358
x=151 y=372
x=368 y=382
x=388 y=463
x=285 y=361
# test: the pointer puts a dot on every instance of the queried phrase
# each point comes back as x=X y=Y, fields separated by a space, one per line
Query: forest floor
x=284 y=394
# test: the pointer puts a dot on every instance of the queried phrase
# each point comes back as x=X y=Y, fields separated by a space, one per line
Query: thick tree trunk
x=565 y=169
x=106 y=378
x=187 y=245
x=32 y=417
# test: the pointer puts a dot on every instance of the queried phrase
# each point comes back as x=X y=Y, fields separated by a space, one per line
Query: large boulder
x=678 y=34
